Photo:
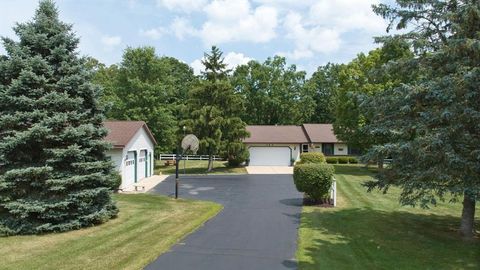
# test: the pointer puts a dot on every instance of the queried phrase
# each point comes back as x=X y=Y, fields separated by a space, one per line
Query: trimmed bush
x=116 y=181
x=311 y=157
x=332 y=160
x=352 y=160
x=314 y=179
x=343 y=160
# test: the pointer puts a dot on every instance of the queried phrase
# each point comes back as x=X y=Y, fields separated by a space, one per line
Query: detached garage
x=132 y=152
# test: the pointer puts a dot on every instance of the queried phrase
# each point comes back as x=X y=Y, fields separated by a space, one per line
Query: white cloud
x=311 y=39
x=321 y=28
x=153 y=33
x=347 y=15
x=232 y=59
x=237 y=20
x=111 y=41
x=197 y=66
x=181 y=27
x=186 y=6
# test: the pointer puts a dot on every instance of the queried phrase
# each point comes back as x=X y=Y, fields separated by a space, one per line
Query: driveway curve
x=257 y=229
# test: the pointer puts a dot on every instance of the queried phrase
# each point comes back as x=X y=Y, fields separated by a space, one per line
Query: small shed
x=133 y=150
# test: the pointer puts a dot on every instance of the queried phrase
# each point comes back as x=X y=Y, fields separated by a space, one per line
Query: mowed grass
x=147 y=226
x=198 y=167
x=372 y=231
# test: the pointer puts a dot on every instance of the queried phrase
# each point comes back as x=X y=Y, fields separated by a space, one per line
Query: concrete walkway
x=257 y=229
x=148 y=183
x=269 y=170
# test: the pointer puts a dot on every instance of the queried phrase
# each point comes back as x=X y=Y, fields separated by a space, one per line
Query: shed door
x=142 y=164
x=270 y=156
x=129 y=170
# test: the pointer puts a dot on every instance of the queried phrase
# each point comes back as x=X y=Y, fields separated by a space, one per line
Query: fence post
x=334 y=192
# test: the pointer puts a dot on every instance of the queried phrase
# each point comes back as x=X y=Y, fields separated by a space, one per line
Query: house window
x=304 y=148
x=354 y=151
x=327 y=149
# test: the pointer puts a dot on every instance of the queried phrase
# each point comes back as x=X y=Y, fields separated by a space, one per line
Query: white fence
x=186 y=157
x=333 y=192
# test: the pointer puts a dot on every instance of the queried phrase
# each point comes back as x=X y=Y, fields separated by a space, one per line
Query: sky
x=309 y=33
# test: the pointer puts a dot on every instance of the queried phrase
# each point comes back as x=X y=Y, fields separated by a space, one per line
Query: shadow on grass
x=373 y=239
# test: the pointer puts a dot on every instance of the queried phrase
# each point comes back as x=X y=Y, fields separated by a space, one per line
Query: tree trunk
x=210 y=163
x=380 y=164
x=467 y=227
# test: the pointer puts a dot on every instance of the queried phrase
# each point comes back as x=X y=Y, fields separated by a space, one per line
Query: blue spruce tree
x=54 y=175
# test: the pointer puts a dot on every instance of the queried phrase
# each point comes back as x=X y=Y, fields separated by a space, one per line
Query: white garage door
x=269 y=156
x=129 y=170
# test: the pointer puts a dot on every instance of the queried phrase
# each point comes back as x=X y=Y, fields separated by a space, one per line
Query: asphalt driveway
x=257 y=229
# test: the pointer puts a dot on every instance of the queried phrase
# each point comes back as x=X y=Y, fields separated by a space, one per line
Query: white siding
x=340 y=149
x=140 y=141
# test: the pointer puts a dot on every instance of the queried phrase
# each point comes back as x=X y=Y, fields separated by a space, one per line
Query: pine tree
x=214 y=110
x=434 y=120
x=54 y=173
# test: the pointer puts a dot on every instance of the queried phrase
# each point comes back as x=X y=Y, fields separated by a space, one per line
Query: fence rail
x=186 y=157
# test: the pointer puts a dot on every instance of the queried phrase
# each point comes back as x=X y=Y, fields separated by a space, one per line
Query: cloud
x=185 y=6
x=308 y=40
x=323 y=26
x=153 y=33
x=237 y=20
x=347 y=15
x=111 y=41
x=232 y=59
x=181 y=28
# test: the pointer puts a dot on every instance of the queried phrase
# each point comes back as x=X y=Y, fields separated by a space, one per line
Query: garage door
x=269 y=156
x=129 y=170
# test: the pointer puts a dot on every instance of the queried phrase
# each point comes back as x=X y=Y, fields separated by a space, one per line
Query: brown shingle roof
x=121 y=132
x=320 y=133
x=276 y=134
x=307 y=133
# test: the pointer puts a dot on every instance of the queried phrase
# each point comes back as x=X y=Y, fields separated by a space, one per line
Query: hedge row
x=311 y=157
x=341 y=160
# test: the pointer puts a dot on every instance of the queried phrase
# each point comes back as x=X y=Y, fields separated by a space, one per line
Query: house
x=132 y=151
x=281 y=145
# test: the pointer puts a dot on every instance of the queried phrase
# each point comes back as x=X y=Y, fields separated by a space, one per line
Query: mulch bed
x=323 y=203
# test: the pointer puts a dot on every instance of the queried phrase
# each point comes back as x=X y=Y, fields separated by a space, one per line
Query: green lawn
x=147 y=226
x=198 y=167
x=372 y=231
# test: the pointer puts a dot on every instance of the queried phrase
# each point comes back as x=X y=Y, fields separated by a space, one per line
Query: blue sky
x=308 y=32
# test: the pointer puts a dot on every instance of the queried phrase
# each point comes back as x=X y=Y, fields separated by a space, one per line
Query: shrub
x=332 y=160
x=314 y=179
x=311 y=157
x=343 y=160
x=116 y=181
x=352 y=160
x=238 y=157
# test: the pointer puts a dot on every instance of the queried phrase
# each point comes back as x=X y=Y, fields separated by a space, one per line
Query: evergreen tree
x=214 y=109
x=434 y=120
x=363 y=78
x=54 y=173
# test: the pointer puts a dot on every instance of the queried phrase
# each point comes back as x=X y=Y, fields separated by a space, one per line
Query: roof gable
x=320 y=133
x=121 y=132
